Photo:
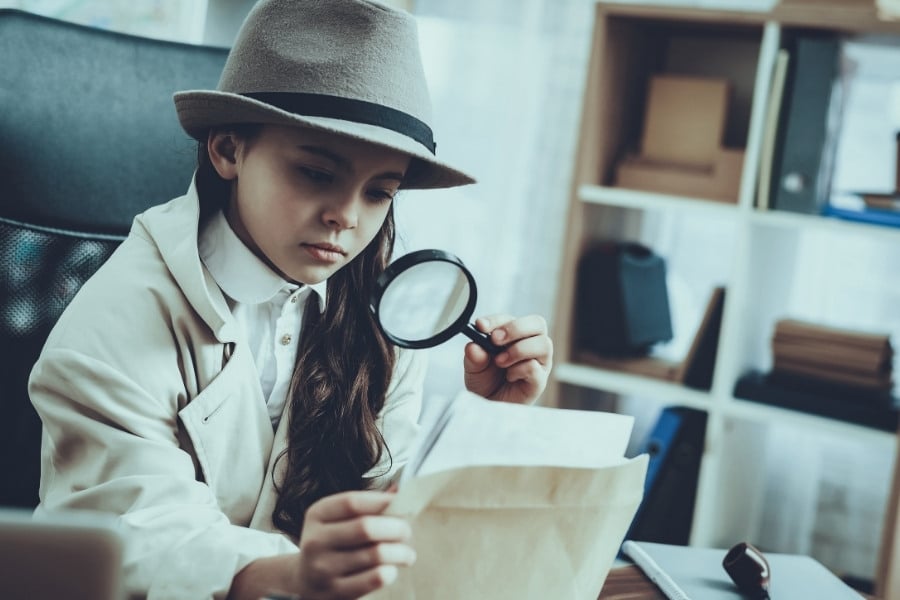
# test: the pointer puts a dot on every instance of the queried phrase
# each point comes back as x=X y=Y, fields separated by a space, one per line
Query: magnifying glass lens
x=424 y=300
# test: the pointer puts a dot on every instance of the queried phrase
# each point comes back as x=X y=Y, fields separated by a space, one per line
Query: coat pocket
x=231 y=436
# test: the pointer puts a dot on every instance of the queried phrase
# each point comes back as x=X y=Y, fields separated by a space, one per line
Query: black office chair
x=88 y=139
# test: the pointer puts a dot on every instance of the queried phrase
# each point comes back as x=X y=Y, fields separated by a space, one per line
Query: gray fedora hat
x=351 y=67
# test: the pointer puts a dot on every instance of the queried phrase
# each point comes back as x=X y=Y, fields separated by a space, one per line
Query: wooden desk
x=629 y=583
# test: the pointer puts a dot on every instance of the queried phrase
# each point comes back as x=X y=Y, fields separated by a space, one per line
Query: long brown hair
x=341 y=376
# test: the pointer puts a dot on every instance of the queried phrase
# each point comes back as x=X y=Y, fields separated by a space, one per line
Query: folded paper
x=519 y=530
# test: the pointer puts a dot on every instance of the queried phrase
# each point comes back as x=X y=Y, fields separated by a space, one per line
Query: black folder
x=834 y=401
x=675 y=446
x=805 y=142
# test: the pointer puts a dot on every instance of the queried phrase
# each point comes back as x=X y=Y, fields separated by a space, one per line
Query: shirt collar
x=239 y=272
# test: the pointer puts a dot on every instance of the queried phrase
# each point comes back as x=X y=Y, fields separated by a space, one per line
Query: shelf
x=634 y=199
x=736 y=408
x=631 y=385
x=772 y=262
x=614 y=196
x=716 y=17
x=803 y=222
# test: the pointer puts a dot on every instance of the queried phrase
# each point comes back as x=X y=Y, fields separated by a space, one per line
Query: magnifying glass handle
x=482 y=339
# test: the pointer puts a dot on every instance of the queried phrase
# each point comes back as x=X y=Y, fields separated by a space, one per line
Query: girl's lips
x=324 y=252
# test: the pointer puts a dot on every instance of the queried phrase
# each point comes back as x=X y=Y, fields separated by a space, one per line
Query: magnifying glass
x=426 y=297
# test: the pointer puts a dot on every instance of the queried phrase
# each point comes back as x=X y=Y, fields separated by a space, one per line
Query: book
x=693 y=573
x=874 y=381
x=853 y=358
x=796 y=330
x=832 y=355
x=888 y=202
x=513 y=501
x=770 y=130
x=697 y=368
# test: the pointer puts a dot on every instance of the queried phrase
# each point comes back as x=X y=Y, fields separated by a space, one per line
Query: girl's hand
x=348 y=548
x=519 y=372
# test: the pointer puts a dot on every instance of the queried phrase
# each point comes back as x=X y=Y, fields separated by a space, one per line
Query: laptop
x=69 y=555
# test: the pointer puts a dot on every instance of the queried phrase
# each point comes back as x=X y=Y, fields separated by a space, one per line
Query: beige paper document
x=510 y=501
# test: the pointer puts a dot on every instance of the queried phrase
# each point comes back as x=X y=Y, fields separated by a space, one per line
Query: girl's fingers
x=505 y=329
x=364 y=582
x=489 y=322
x=364 y=558
x=538 y=348
x=529 y=371
x=347 y=505
x=363 y=531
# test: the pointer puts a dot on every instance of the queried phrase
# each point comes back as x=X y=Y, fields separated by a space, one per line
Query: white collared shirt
x=268 y=309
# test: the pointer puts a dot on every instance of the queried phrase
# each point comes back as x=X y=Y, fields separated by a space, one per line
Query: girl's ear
x=222 y=147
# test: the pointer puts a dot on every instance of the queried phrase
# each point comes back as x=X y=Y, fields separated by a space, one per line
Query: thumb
x=475 y=359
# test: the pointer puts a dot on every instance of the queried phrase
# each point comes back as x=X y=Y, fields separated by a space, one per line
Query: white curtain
x=506 y=79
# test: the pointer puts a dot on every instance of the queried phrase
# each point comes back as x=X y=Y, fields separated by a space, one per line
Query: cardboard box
x=684 y=119
x=720 y=180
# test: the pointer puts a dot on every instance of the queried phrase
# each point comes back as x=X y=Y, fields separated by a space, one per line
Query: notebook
x=690 y=573
x=71 y=556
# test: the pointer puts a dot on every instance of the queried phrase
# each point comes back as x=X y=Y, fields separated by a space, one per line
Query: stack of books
x=836 y=373
x=831 y=355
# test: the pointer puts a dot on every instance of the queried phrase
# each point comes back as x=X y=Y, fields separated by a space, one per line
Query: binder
x=675 y=448
x=801 y=170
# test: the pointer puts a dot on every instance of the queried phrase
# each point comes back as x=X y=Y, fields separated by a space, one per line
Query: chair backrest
x=89 y=139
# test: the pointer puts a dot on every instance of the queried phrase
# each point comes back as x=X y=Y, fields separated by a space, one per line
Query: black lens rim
x=401 y=265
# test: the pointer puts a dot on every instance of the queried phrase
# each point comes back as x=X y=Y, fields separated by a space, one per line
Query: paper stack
x=827 y=354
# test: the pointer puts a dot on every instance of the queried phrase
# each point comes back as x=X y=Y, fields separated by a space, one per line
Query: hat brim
x=200 y=110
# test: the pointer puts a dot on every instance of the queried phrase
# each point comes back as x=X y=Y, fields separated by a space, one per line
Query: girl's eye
x=381 y=196
x=316 y=176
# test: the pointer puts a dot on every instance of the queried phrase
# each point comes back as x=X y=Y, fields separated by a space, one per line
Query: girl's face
x=308 y=202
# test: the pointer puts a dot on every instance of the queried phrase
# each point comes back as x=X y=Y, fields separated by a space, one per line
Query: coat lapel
x=262 y=516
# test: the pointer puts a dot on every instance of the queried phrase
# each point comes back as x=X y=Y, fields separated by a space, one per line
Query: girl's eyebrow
x=391 y=175
x=343 y=163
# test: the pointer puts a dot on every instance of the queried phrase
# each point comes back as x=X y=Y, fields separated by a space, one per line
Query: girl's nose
x=343 y=213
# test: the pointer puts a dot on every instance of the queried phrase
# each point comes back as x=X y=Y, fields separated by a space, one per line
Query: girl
x=220 y=383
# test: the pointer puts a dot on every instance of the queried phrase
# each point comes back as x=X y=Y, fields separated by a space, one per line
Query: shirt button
x=286 y=339
x=294 y=299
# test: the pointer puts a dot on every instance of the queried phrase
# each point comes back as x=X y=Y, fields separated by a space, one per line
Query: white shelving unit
x=756 y=264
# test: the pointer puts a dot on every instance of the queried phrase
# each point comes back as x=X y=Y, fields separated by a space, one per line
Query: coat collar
x=173 y=227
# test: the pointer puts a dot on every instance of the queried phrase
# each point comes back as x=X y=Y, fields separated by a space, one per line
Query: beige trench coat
x=152 y=410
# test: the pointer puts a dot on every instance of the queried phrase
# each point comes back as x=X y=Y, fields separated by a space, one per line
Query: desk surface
x=629 y=583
